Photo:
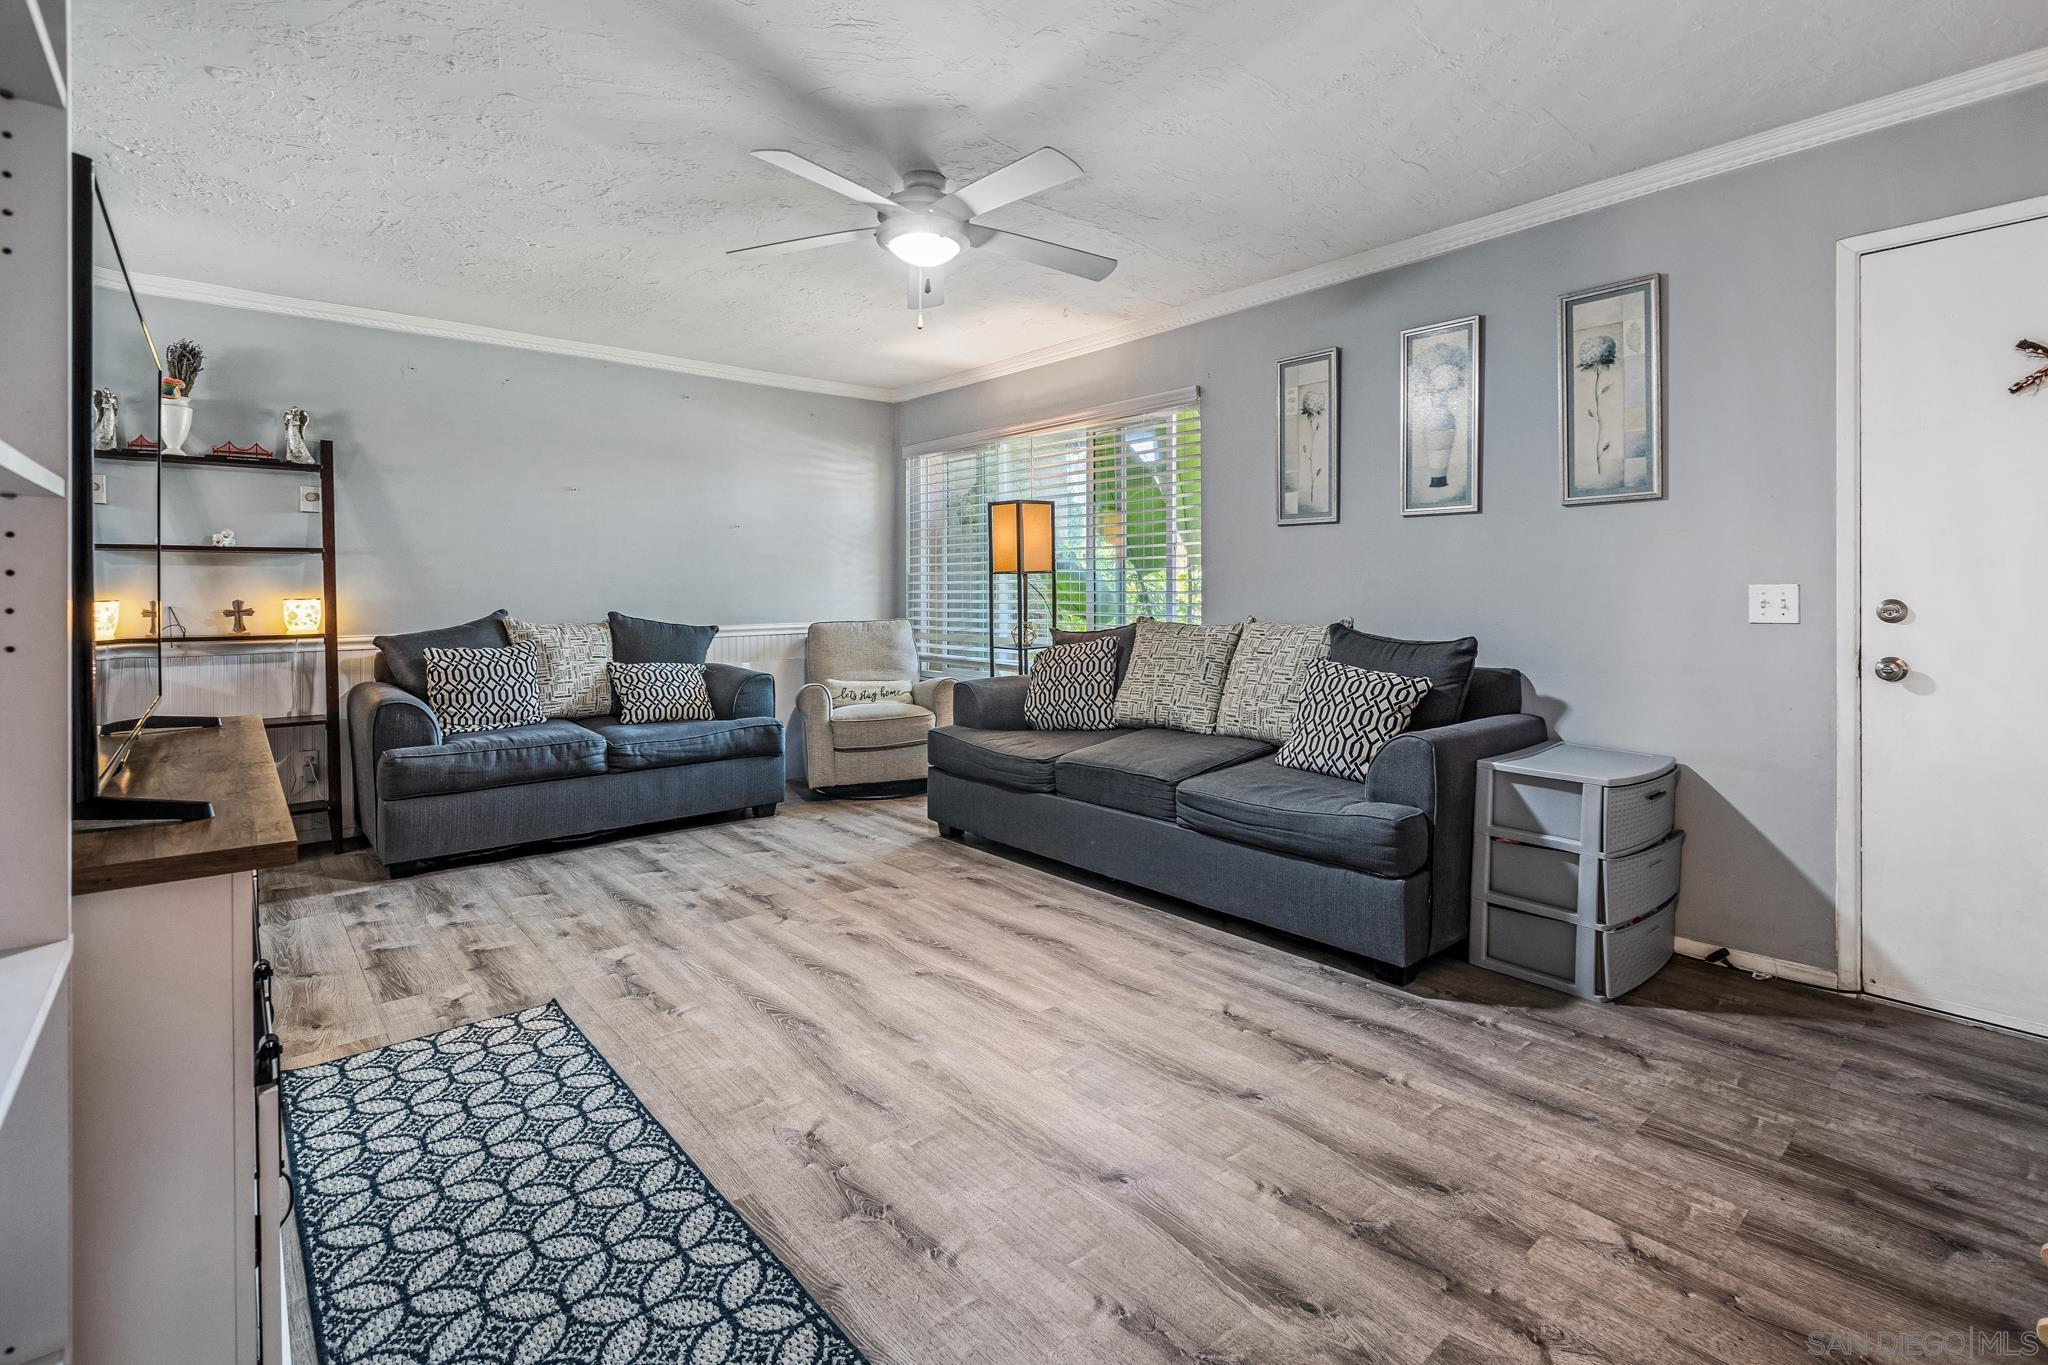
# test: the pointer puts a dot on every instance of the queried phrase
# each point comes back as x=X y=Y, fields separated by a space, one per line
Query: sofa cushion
x=879 y=725
x=1268 y=671
x=1125 y=637
x=1021 y=760
x=490 y=758
x=402 y=659
x=1446 y=664
x=637 y=640
x=1325 y=819
x=1073 y=686
x=652 y=693
x=573 y=661
x=673 y=743
x=1347 y=716
x=1138 y=771
x=1176 y=676
x=476 y=690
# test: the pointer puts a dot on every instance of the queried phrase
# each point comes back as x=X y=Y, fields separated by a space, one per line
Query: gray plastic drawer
x=1619 y=890
x=1597 y=964
x=1638 y=815
x=1537 y=805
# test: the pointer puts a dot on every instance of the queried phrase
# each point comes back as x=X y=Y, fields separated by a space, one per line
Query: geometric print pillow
x=1073 y=686
x=572 y=666
x=1267 y=674
x=484 y=689
x=1347 y=715
x=1176 y=676
x=657 y=692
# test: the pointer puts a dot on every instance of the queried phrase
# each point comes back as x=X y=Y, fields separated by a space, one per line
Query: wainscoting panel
x=216 y=678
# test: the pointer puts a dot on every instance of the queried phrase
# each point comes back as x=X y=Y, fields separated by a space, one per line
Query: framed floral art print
x=1440 y=418
x=1610 y=392
x=1307 y=458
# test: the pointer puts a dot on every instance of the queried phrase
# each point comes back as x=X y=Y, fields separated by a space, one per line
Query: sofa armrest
x=737 y=692
x=936 y=696
x=991 y=703
x=814 y=714
x=382 y=716
x=1437 y=772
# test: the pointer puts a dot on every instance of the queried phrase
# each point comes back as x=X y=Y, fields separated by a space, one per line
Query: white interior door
x=1955 y=528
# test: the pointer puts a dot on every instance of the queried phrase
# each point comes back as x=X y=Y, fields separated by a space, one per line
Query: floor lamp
x=1019 y=543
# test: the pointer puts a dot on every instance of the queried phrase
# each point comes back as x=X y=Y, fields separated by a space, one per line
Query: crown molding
x=1951 y=92
x=224 y=296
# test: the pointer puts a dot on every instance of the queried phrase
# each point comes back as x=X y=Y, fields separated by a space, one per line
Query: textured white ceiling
x=577 y=170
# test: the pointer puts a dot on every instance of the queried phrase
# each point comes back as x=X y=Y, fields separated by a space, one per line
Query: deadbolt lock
x=1891 y=611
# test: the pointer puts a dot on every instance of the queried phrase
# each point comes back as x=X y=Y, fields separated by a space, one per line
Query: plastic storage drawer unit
x=1575 y=867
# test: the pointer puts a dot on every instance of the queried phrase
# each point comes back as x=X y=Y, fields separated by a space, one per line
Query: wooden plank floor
x=992 y=1112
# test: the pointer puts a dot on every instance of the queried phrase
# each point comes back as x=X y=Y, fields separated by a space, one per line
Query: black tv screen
x=117 y=650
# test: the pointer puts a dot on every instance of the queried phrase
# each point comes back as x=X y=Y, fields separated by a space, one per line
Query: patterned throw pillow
x=573 y=681
x=1347 y=716
x=866 y=692
x=1073 y=687
x=484 y=689
x=1267 y=675
x=1176 y=676
x=656 y=692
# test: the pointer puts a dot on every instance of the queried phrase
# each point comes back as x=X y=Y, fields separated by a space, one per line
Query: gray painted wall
x=472 y=477
x=1629 y=619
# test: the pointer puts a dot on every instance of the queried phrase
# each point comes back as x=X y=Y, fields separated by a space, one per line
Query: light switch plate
x=309 y=497
x=99 y=488
x=1774 y=604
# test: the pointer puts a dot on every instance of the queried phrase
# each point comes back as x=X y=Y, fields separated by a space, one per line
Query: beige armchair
x=876 y=741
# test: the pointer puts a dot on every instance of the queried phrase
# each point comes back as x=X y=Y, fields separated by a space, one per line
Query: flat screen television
x=116 y=594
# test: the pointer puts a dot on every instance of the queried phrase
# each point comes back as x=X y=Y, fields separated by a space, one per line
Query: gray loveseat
x=1380 y=868
x=420 y=794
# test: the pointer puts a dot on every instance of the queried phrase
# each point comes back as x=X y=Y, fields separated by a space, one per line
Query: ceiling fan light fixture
x=924 y=249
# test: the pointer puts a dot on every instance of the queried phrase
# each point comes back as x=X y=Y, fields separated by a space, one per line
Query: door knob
x=1891 y=611
x=1891 y=668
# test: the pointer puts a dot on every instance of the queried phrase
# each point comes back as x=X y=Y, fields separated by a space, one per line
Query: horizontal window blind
x=1127 y=514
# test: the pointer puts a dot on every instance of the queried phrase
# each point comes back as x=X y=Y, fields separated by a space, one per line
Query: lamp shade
x=1020 y=537
x=106 y=618
x=302 y=616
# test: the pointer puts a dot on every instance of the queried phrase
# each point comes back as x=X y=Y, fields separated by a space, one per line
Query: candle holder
x=302 y=615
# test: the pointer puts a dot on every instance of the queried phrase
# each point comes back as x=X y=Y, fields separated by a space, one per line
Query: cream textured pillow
x=573 y=681
x=1267 y=675
x=1176 y=677
x=848 y=692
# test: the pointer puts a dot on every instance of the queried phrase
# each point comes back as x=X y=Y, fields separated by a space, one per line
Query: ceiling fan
x=925 y=227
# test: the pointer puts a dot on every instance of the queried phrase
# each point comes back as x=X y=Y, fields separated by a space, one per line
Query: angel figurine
x=295 y=451
x=106 y=419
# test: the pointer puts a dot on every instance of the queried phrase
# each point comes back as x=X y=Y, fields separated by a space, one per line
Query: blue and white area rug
x=496 y=1194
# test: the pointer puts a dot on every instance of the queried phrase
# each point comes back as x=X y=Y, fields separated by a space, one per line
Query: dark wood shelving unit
x=229 y=461
x=329 y=637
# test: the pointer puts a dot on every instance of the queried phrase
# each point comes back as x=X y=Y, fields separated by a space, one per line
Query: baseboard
x=1802 y=972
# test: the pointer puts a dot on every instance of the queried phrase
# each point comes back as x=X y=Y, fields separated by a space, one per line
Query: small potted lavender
x=183 y=360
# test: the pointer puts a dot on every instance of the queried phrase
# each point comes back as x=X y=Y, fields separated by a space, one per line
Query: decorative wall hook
x=2038 y=377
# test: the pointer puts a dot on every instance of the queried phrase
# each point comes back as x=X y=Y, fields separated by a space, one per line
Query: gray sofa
x=421 y=795
x=1380 y=868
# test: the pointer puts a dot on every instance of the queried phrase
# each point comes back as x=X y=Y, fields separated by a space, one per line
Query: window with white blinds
x=1127 y=513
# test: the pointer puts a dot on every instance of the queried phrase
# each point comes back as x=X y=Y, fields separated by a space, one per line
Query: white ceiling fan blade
x=818 y=175
x=1027 y=175
x=927 y=287
x=802 y=243
x=1051 y=255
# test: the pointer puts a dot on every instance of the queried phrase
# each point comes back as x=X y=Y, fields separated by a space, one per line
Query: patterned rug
x=497 y=1194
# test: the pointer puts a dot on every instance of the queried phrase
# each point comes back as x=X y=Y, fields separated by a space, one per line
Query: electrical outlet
x=99 y=488
x=1774 y=604
x=309 y=498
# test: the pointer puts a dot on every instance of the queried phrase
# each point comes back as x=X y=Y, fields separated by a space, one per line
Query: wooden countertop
x=231 y=767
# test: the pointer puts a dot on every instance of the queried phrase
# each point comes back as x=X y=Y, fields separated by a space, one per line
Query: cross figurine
x=150 y=614
x=2038 y=377
x=236 y=612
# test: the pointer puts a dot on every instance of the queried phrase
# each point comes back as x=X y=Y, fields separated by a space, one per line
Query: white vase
x=175 y=414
